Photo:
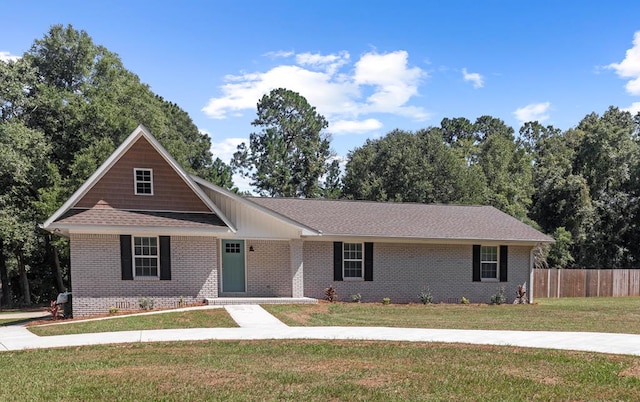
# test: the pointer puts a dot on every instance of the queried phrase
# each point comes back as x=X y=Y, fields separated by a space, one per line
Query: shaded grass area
x=8 y=321
x=315 y=371
x=214 y=318
x=616 y=315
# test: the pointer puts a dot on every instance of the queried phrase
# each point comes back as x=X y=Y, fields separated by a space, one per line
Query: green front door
x=233 y=266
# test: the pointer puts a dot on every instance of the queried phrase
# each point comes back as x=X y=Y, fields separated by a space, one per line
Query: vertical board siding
x=586 y=282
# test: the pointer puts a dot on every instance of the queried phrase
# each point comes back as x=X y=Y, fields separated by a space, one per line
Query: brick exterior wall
x=97 y=282
x=401 y=271
x=268 y=269
x=275 y=269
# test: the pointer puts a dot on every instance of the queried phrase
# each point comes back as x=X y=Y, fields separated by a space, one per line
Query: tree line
x=68 y=103
x=65 y=106
x=580 y=186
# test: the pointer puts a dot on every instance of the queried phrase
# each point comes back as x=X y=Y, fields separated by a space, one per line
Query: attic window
x=143 y=181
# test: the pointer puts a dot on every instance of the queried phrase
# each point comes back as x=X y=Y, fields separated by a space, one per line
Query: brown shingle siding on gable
x=115 y=189
x=404 y=220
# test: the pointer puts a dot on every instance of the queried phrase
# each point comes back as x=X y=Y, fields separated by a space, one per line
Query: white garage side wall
x=401 y=271
x=97 y=281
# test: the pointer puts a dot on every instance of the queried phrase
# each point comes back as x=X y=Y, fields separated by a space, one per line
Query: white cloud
x=329 y=63
x=6 y=56
x=630 y=66
x=633 y=109
x=225 y=149
x=378 y=83
x=280 y=54
x=475 y=78
x=354 y=126
x=533 y=112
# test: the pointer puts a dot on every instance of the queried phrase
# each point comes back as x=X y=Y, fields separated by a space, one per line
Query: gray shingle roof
x=403 y=220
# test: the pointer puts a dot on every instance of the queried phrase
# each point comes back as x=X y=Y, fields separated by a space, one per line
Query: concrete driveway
x=257 y=324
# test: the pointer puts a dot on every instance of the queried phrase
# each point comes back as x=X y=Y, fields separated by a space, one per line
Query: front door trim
x=244 y=265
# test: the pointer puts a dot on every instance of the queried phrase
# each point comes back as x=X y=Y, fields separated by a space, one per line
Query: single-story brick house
x=142 y=227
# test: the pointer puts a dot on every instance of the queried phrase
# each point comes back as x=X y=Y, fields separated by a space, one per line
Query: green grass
x=213 y=318
x=315 y=371
x=618 y=315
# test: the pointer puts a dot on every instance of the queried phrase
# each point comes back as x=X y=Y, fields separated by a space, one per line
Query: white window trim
x=135 y=180
x=353 y=278
x=133 y=255
x=497 y=262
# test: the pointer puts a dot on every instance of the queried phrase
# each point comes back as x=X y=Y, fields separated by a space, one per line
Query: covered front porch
x=222 y=301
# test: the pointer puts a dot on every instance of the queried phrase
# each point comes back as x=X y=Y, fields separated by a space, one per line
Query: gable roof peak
x=136 y=134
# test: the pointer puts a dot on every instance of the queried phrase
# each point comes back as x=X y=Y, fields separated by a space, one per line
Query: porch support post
x=297 y=268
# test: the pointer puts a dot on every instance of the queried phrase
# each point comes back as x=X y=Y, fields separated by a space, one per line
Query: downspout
x=531 y=275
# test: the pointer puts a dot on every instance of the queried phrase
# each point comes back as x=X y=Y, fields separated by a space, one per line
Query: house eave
x=304 y=230
x=425 y=240
x=67 y=230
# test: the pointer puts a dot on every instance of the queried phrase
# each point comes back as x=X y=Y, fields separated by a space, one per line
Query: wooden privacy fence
x=586 y=282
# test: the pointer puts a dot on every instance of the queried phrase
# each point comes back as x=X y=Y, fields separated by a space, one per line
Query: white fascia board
x=305 y=230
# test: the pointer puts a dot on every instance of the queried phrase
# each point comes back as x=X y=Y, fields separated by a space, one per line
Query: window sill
x=352 y=279
x=489 y=280
x=146 y=278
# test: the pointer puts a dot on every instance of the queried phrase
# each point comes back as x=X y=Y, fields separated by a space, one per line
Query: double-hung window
x=143 y=181
x=352 y=260
x=145 y=256
x=489 y=263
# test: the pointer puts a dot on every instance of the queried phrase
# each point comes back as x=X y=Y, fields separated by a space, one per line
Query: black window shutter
x=368 y=261
x=476 y=263
x=125 y=258
x=165 y=258
x=337 y=260
x=504 y=252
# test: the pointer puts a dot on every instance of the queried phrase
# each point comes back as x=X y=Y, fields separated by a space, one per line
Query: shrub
x=499 y=297
x=54 y=309
x=113 y=310
x=425 y=296
x=145 y=303
x=464 y=300
x=356 y=298
x=330 y=294
x=386 y=301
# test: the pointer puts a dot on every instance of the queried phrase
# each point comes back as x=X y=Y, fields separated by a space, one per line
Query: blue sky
x=368 y=66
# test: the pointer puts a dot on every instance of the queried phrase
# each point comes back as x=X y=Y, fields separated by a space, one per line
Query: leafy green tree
x=560 y=251
x=23 y=172
x=332 y=187
x=508 y=173
x=82 y=102
x=16 y=77
x=290 y=154
x=411 y=167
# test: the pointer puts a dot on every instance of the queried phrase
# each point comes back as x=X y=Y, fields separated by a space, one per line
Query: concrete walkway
x=257 y=324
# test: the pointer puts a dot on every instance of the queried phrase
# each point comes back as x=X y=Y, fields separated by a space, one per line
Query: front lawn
x=213 y=318
x=315 y=371
x=619 y=315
